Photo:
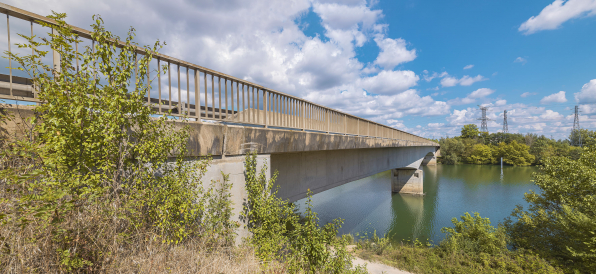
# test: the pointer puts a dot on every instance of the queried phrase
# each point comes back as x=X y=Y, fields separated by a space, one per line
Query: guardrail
x=248 y=103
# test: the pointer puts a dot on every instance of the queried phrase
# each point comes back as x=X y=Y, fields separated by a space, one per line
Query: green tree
x=470 y=131
x=451 y=150
x=588 y=137
x=560 y=223
x=515 y=154
x=481 y=155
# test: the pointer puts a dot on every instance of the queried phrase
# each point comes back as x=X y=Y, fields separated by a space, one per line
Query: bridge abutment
x=407 y=181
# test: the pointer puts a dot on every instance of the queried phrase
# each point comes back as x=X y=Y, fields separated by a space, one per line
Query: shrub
x=279 y=234
x=560 y=222
x=474 y=234
x=99 y=174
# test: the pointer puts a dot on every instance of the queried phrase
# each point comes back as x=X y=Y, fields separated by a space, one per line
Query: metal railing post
x=265 y=105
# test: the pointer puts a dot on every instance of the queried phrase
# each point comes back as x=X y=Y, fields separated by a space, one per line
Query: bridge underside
x=323 y=170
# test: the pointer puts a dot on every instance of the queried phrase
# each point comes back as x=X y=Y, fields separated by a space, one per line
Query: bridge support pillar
x=407 y=181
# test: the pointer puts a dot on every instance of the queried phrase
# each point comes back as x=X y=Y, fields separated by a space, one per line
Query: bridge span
x=311 y=146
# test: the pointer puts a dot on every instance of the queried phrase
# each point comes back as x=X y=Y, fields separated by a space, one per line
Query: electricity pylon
x=483 y=125
x=505 y=128
x=576 y=132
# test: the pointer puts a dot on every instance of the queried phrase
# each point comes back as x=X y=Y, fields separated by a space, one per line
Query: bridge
x=311 y=146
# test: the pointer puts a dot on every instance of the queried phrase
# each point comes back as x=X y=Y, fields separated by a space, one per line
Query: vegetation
x=481 y=148
x=471 y=246
x=100 y=183
x=560 y=223
x=279 y=234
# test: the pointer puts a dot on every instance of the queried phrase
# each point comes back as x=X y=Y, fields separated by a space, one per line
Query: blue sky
x=421 y=66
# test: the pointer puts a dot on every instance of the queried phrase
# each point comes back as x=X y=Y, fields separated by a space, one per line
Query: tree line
x=483 y=148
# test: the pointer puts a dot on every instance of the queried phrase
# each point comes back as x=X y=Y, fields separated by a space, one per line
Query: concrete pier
x=407 y=181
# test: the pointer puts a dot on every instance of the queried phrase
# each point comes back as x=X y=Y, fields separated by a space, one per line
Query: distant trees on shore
x=481 y=148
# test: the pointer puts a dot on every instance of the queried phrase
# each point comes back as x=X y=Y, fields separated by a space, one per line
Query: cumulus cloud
x=449 y=81
x=521 y=60
x=469 y=66
x=500 y=102
x=393 y=52
x=551 y=115
x=587 y=95
x=557 y=13
x=558 y=97
x=471 y=97
x=389 y=82
x=526 y=94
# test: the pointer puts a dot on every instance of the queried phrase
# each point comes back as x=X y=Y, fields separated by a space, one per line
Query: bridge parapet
x=206 y=99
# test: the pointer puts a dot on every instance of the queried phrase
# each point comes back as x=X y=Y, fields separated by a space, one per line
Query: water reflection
x=367 y=205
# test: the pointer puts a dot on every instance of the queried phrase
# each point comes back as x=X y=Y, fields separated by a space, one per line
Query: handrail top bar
x=29 y=16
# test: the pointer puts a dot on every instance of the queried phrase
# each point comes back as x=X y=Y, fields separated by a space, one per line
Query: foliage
x=280 y=234
x=560 y=221
x=475 y=235
x=514 y=154
x=470 y=131
x=451 y=148
x=99 y=171
x=515 y=148
x=471 y=246
x=481 y=155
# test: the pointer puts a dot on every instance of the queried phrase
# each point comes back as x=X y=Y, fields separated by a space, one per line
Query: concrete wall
x=323 y=170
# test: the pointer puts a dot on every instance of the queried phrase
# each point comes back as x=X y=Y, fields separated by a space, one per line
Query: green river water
x=367 y=205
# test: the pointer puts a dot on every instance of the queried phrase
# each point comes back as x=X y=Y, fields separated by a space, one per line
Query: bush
x=279 y=234
x=99 y=175
x=474 y=234
x=560 y=222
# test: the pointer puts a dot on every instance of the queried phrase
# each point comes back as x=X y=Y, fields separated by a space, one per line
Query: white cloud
x=521 y=60
x=430 y=77
x=551 y=115
x=587 y=95
x=526 y=94
x=558 y=97
x=393 y=52
x=449 y=81
x=557 y=13
x=469 y=66
x=435 y=125
x=500 y=102
x=471 y=98
x=389 y=82
x=480 y=93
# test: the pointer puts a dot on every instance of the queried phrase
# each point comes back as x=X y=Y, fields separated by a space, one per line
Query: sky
x=419 y=66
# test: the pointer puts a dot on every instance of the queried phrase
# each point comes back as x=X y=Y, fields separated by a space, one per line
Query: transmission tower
x=505 y=128
x=576 y=133
x=483 y=125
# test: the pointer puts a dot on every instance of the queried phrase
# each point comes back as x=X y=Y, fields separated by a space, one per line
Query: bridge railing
x=219 y=97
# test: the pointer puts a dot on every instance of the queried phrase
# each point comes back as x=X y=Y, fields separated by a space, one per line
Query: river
x=367 y=205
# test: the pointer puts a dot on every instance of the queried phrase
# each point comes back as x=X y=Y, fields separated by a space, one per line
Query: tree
x=481 y=155
x=588 y=137
x=451 y=150
x=560 y=223
x=470 y=131
x=515 y=154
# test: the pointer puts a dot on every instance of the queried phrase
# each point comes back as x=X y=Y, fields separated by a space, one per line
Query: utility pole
x=483 y=125
x=505 y=128
x=576 y=133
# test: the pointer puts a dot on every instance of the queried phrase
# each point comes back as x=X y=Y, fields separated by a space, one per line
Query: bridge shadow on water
x=367 y=205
